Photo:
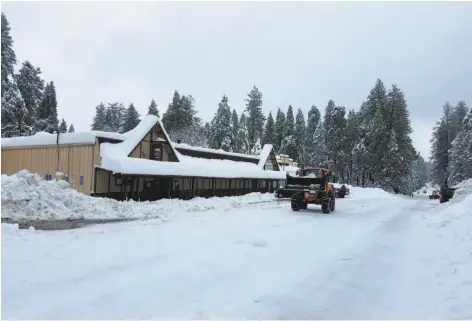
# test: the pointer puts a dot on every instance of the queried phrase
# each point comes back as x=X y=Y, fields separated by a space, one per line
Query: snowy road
x=366 y=260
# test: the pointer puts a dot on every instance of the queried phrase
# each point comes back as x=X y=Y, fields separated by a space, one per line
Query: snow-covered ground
x=377 y=256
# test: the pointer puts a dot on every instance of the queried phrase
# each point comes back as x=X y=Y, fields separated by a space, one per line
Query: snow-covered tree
x=335 y=131
x=440 y=144
x=256 y=149
x=130 y=119
x=299 y=137
x=220 y=127
x=269 y=131
x=312 y=122
x=100 y=118
x=8 y=55
x=46 y=113
x=255 y=119
x=351 y=139
x=317 y=154
x=63 y=126
x=279 y=129
x=71 y=128
x=243 y=135
x=14 y=113
x=114 y=118
x=235 y=145
x=31 y=87
x=460 y=165
x=289 y=145
x=153 y=109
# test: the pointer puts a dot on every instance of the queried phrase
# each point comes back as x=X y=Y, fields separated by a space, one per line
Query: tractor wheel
x=333 y=204
x=295 y=206
x=325 y=207
x=303 y=206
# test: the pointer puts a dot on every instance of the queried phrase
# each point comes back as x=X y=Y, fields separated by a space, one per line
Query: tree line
x=369 y=147
x=29 y=104
x=451 y=146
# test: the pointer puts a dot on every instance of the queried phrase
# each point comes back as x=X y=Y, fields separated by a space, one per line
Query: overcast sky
x=301 y=54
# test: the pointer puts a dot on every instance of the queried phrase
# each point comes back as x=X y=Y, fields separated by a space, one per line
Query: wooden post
x=125 y=183
x=230 y=180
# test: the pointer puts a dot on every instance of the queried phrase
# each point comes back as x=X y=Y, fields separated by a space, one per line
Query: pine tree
x=8 y=55
x=440 y=145
x=312 y=122
x=255 y=120
x=63 y=126
x=71 y=128
x=243 y=135
x=335 y=131
x=460 y=165
x=46 y=113
x=130 y=119
x=31 y=87
x=351 y=139
x=100 y=118
x=220 y=127
x=269 y=131
x=279 y=129
x=317 y=156
x=181 y=122
x=114 y=117
x=235 y=144
x=288 y=146
x=153 y=109
x=256 y=150
x=14 y=113
x=299 y=136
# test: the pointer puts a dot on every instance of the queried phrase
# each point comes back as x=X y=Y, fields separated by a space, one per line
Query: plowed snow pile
x=29 y=196
x=450 y=226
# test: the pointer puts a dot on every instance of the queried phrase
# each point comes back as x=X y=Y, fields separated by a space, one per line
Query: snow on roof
x=45 y=139
x=213 y=151
x=132 y=139
x=189 y=167
x=264 y=155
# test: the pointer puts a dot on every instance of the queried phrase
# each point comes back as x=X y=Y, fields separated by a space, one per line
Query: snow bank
x=29 y=196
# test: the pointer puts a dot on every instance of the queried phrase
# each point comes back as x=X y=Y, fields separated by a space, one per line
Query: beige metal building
x=143 y=164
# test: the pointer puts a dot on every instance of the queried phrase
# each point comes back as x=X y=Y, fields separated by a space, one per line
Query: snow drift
x=29 y=196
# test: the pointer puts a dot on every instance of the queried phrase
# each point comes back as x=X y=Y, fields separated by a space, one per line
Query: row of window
x=185 y=184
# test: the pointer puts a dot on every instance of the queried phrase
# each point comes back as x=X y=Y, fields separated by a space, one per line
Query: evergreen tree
x=269 y=131
x=31 y=87
x=130 y=119
x=220 y=127
x=100 y=118
x=351 y=139
x=235 y=144
x=63 y=126
x=243 y=135
x=440 y=144
x=46 y=113
x=289 y=146
x=255 y=120
x=279 y=129
x=153 y=109
x=256 y=150
x=335 y=131
x=460 y=165
x=114 y=117
x=181 y=122
x=312 y=122
x=317 y=155
x=14 y=113
x=299 y=137
x=8 y=55
x=71 y=128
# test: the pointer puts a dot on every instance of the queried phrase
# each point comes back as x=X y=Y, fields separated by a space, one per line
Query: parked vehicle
x=434 y=195
x=341 y=191
x=314 y=187
x=446 y=194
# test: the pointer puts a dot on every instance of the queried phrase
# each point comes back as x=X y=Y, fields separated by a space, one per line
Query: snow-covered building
x=287 y=164
x=142 y=164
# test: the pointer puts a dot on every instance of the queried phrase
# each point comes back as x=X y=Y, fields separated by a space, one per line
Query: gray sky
x=296 y=53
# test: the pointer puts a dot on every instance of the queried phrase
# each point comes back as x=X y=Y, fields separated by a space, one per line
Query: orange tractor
x=314 y=187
